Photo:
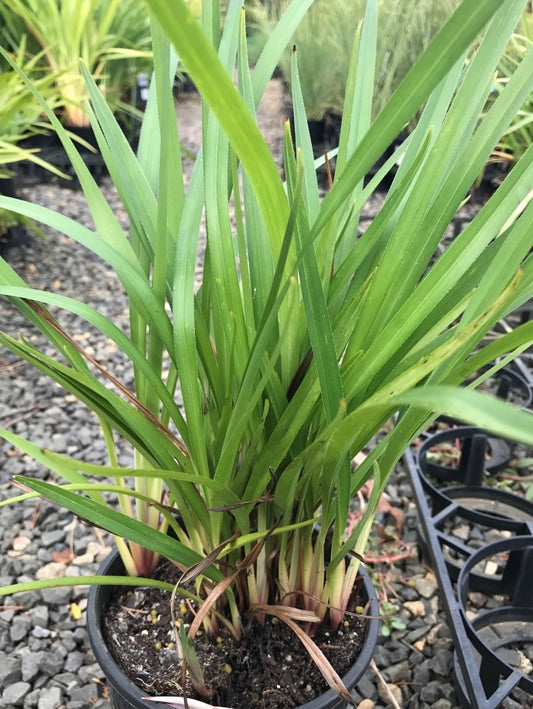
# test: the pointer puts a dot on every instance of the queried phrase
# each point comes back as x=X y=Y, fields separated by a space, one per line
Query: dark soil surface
x=268 y=669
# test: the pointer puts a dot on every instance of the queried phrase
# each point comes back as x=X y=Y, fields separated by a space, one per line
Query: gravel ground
x=45 y=661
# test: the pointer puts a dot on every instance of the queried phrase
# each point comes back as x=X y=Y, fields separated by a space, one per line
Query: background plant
x=406 y=29
x=519 y=136
x=390 y=615
x=303 y=339
x=112 y=38
x=324 y=41
x=21 y=116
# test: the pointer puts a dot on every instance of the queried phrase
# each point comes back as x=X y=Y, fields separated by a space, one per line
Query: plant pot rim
x=133 y=695
x=500 y=454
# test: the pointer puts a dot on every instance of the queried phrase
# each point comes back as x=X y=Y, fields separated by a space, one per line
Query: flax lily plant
x=304 y=338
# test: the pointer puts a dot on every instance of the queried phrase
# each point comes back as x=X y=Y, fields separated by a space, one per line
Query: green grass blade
x=218 y=90
x=120 y=525
x=114 y=334
x=73 y=581
x=276 y=43
x=454 y=39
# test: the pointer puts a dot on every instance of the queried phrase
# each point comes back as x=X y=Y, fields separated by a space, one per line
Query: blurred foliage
x=112 y=37
x=519 y=136
x=325 y=37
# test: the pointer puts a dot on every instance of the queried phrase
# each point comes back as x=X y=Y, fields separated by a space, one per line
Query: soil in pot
x=270 y=669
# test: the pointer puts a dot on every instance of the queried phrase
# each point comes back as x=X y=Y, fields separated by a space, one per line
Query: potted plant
x=21 y=116
x=108 y=37
x=302 y=340
x=112 y=38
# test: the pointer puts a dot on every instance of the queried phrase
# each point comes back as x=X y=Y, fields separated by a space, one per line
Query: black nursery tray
x=479 y=541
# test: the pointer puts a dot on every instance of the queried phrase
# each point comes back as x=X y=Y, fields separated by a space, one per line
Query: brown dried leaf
x=321 y=661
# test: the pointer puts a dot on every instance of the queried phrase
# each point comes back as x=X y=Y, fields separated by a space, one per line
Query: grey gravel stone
x=51 y=663
x=39 y=615
x=88 y=673
x=68 y=680
x=74 y=661
x=367 y=687
x=397 y=672
x=381 y=656
x=68 y=642
x=30 y=665
x=397 y=652
x=424 y=672
x=10 y=671
x=50 y=698
x=442 y=704
x=40 y=632
x=416 y=634
x=27 y=599
x=6 y=617
x=86 y=694
x=427 y=586
x=15 y=693
x=31 y=699
x=432 y=692
x=19 y=628
x=53 y=537
x=56 y=596
x=410 y=594
x=79 y=635
x=441 y=662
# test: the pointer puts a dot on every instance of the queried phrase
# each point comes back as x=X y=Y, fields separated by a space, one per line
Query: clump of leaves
x=303 y=340
x=390 y=615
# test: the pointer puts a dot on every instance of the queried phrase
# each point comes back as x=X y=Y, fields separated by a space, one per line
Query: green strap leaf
x=119 y=524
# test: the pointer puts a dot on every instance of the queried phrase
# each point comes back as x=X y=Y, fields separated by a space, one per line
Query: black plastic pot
x=485 y=673
x=126 y=695
x=468 y=501
x=499 y=634
x=482 y=507
x=512 y=383
x=51 y=149
x=15 y=233
x=476 y=444
x=92 y=158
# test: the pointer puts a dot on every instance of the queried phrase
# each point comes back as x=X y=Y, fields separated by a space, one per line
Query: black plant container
x=473 y=462
x=458 y=494
x=51 y=149
x=501 y=635
x=48 y=148
x=482 y=507
x=126 y=695
x=92 y=158
x=489 y=647
x=16 y=233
